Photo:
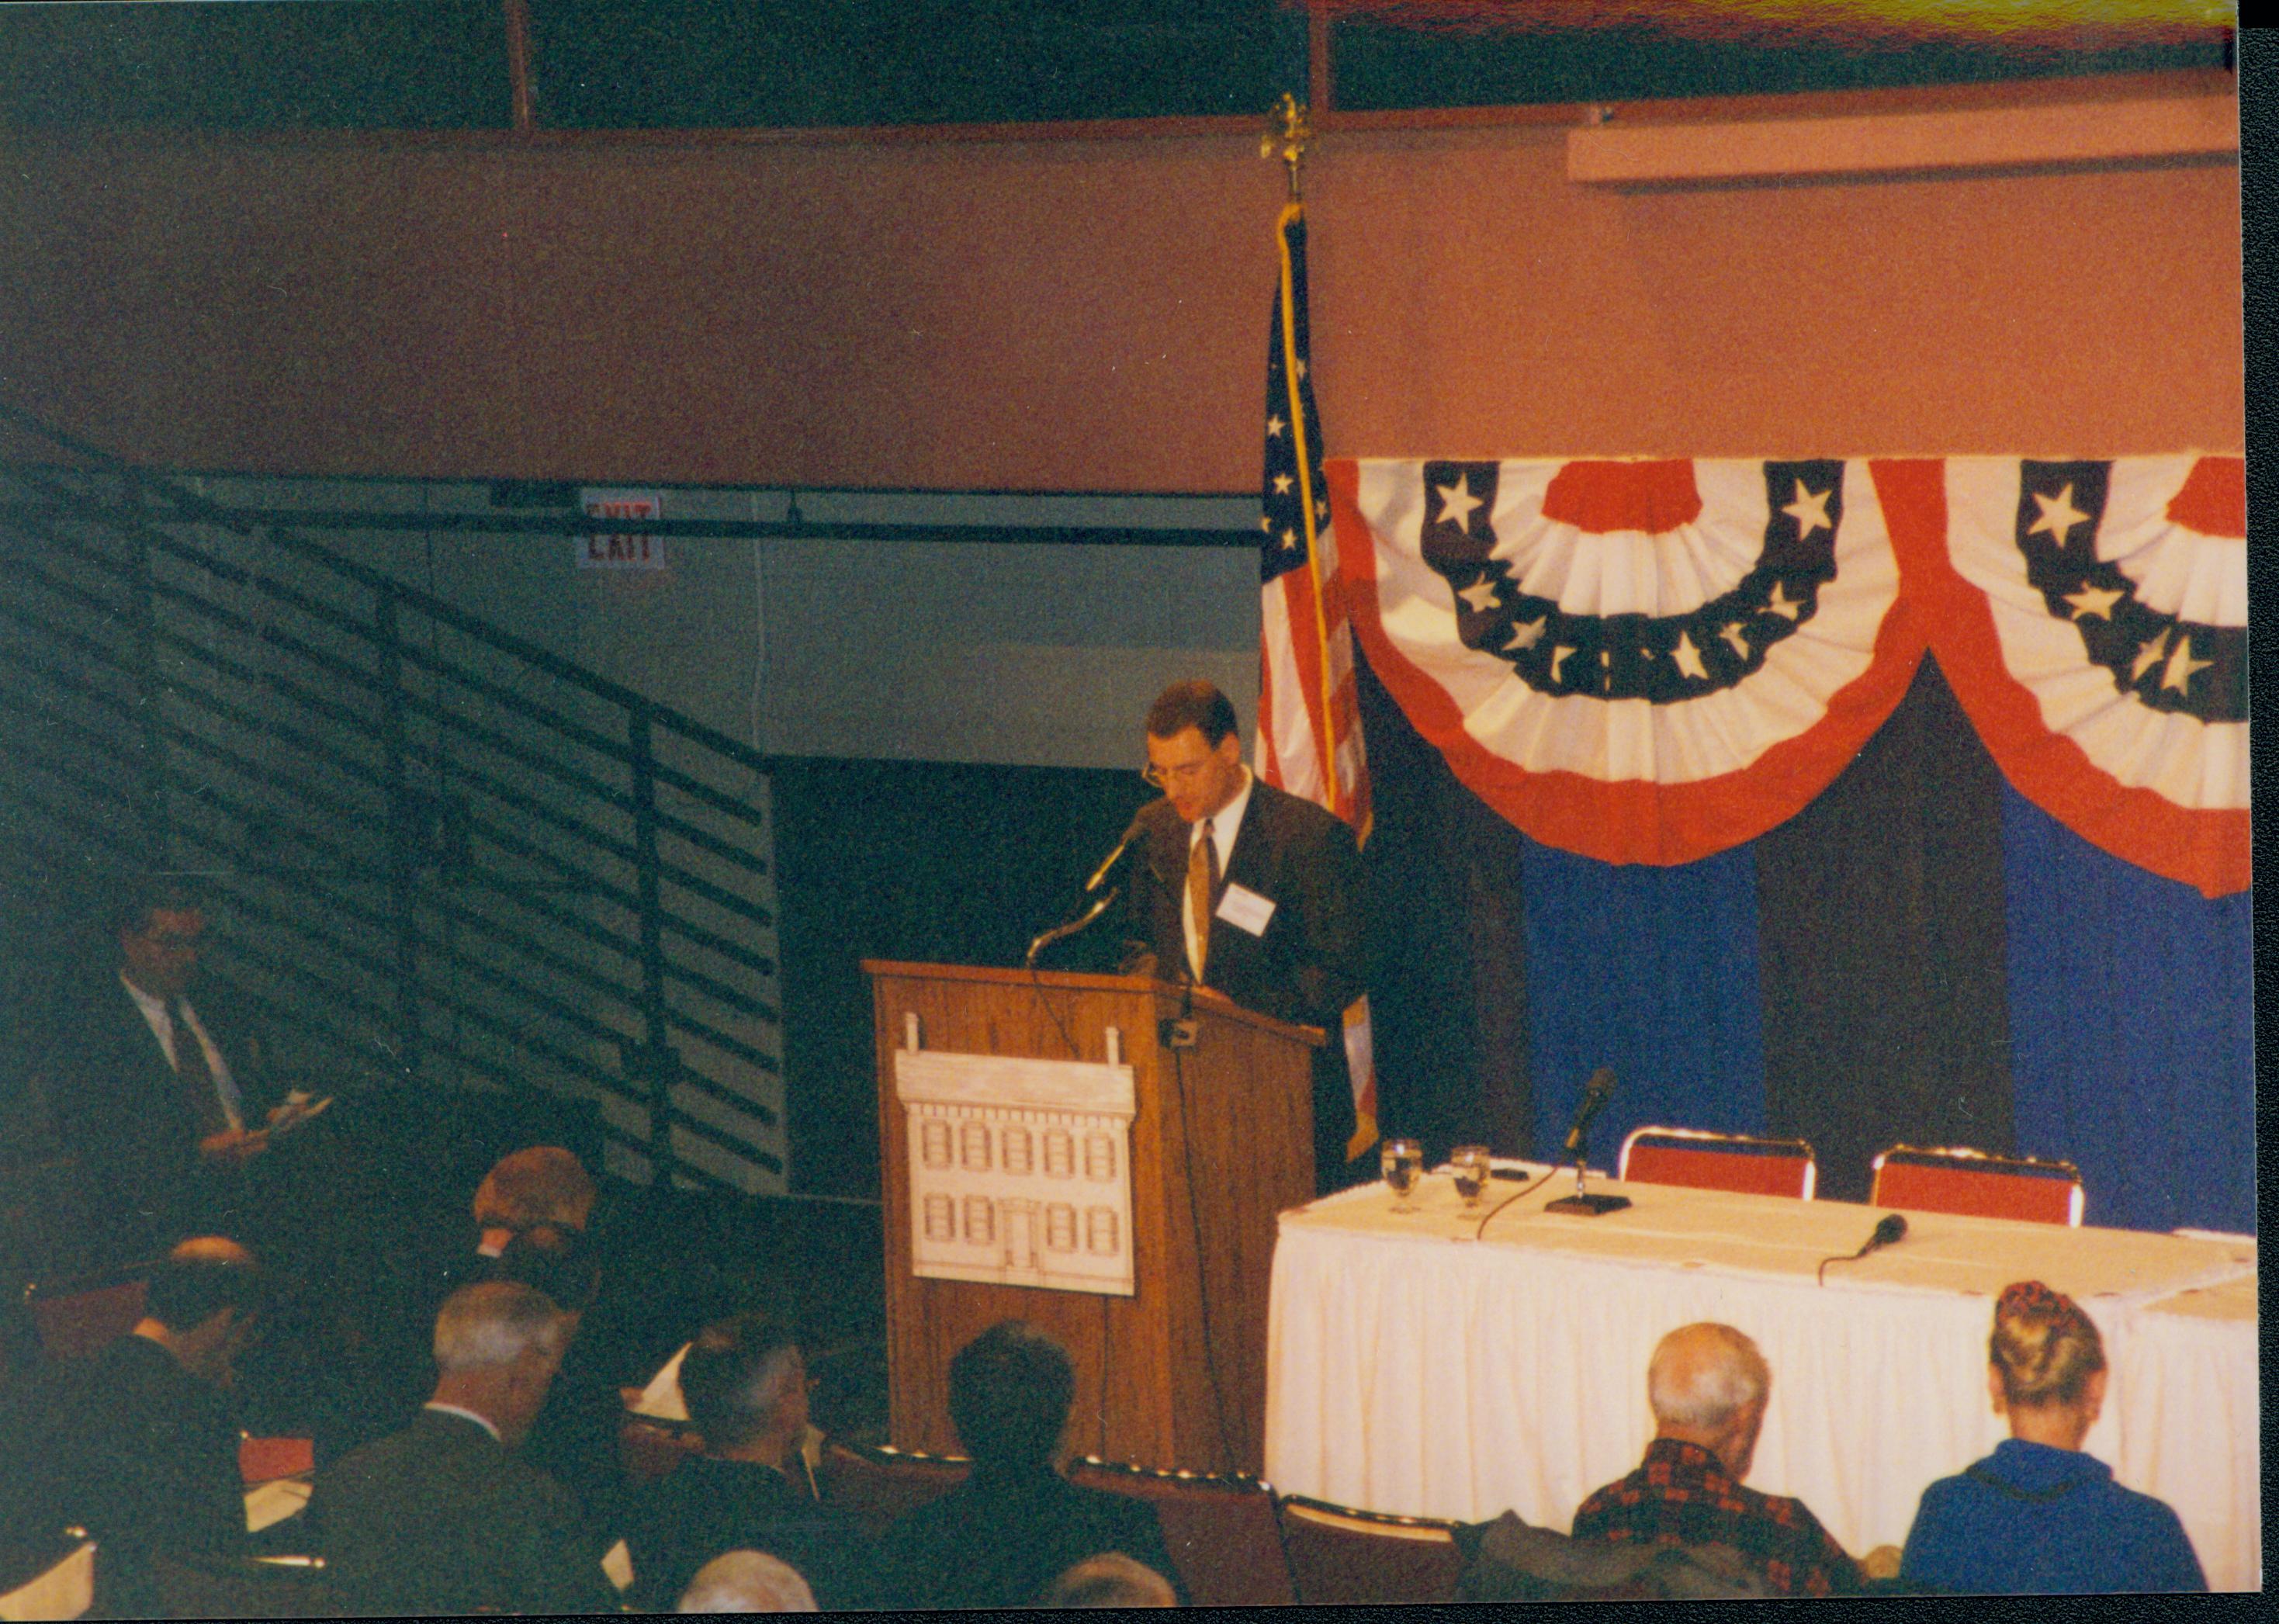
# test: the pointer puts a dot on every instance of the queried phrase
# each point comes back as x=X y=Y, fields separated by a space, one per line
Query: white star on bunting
x=1457 y=502
x=1281 y=484
x=1526 y=634
x=1734 y=635
x=1780 y=603
x=1689 y=657
x=1481 y=594
x=1275 y=426
x=1559 y=658
x=1809 y=509
x=2097 y=600
x=2059 y=516
x=2178 y=672
x=2148 y=655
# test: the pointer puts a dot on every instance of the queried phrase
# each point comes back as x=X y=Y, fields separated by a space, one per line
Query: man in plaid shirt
x=1709 y=1384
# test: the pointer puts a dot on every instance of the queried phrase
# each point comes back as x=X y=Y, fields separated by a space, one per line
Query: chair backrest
x=1959 y=1180
x=48 y=1582
x=75 y=1318
x=875 y=1483
x=1222 y=1532
x=1704 y=1161
x=1340 y=1555
x=647 y=1452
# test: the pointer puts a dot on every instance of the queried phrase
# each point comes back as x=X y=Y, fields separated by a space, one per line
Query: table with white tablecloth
x=1413 y=1368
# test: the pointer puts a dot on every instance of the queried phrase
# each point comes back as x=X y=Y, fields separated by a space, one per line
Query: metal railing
x=459 y=856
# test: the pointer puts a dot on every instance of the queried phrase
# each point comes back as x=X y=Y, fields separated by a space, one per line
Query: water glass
x=1470 y=1163
x=1403 y=1164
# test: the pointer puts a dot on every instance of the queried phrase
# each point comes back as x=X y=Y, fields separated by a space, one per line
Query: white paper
x=1245 y=909
x=267 y=1504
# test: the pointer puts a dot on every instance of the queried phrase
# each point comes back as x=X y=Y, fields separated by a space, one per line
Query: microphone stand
x=1579 y=1204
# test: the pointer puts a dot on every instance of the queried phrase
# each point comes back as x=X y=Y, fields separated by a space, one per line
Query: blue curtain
x=2131 y=1030
x=1652 y=972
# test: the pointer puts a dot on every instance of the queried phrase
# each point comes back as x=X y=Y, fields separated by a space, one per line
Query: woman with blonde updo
x=2037 y=1515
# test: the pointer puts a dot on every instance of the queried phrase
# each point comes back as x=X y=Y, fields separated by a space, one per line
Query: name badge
x=1245 y=909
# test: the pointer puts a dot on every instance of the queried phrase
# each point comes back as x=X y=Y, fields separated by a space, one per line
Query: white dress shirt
x=161 y=1027
x=1225 y=824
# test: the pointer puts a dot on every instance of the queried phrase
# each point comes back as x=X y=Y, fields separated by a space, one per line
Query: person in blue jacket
x=2037 y=1515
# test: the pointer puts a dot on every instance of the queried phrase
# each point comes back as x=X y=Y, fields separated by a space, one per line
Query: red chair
x=75 y=1318
x=1972 y=1182
x=1699 y=1160
x=1222 y=1531
x=874 y=1483
x=1339 y=1555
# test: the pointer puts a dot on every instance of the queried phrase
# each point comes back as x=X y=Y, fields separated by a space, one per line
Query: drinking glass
x=1470 y=1163
x=1403 y=1163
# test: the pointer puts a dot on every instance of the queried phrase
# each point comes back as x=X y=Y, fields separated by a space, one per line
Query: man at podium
x=1244 y=888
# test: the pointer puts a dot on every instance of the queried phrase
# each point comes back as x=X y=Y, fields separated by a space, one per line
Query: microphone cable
x=1892 y=1227
x=1515 y=1196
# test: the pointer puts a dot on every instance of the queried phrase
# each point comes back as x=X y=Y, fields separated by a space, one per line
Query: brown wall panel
x=1085 y=314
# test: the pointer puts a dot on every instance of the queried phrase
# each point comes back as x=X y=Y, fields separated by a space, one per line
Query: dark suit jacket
x=441 y=1518
x=1000 y=1542
x=117 y=1107
x=1311 y=960
x=146 y=1460
x=706 y=1507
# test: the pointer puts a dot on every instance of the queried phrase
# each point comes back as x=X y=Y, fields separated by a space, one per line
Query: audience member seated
x=1000 y=1537
x=746 y=1581
x=574 y=1438
x=1507 y=1560
x=533 y=1190
x=146 y=1444
x=1110 y=1580
x=746 y=1386
x=2037 y=1516
x=443 y=1516
x=1708 y=1386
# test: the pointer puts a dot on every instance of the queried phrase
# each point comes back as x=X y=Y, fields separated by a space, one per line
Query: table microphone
x=1890 y=1227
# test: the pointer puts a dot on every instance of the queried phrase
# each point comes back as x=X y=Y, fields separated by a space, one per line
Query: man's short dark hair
x=1010 y=1390
x=200 y=1278
x=1195 y=704
x=128 y=900
x=733 y=1377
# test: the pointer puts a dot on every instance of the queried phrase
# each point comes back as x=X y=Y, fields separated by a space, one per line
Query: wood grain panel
x=1173 y=1375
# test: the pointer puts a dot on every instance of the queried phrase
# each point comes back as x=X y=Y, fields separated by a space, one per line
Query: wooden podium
x=1003 y=1169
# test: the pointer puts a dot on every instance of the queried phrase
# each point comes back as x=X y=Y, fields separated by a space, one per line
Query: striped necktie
x=1203 y=894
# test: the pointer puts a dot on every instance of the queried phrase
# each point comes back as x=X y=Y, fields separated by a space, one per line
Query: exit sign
x=630 y=549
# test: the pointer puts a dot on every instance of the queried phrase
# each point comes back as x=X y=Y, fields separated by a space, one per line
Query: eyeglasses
x=1164 y=778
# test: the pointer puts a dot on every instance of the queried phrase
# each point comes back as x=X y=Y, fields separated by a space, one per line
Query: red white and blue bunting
x=1643 y=662
x=1652 y=662
x=2092 y=617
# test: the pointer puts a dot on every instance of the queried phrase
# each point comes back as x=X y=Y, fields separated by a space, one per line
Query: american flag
x=1308 y=716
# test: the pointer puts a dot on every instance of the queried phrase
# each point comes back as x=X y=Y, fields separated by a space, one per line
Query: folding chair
x=80 y=1316
x=1701 y=1160
x=1970 y=1181
x=875 y=1483
x=1222 y=1530
x=1341 y=1555
x=51 y=1578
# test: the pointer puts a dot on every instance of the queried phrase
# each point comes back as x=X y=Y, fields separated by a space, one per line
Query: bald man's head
x=1709 y=1384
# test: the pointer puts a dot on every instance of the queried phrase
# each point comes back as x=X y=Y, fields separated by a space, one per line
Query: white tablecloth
x=1413 y=1369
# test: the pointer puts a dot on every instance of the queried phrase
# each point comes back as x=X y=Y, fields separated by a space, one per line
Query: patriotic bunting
x=1641 y=662
x=1653 y=662
x=2092 y=617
